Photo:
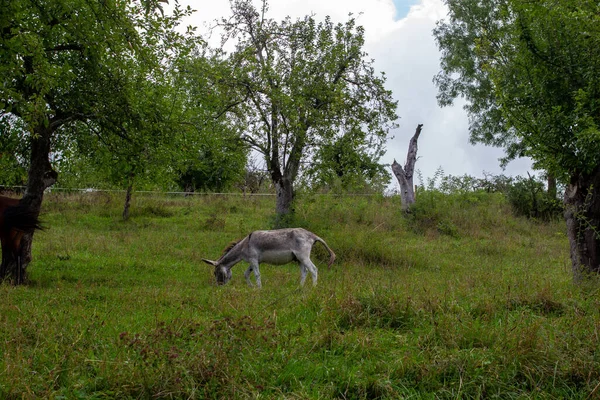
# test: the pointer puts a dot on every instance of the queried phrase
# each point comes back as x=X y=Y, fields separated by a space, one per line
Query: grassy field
x=458 y=300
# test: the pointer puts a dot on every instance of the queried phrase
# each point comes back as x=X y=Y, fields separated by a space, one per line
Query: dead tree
x=405 y=175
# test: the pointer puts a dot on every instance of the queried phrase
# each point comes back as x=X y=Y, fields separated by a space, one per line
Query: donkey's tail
x=331 y=253
x=21 y=218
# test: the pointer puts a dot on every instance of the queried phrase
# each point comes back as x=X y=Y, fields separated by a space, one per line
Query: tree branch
x=65 y=47
x=411 y=157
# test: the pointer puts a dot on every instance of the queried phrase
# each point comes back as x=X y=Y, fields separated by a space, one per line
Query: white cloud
x=405 y=50
x=377 y=16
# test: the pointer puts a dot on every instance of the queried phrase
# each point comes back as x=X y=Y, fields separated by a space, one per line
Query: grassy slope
x=461 y=300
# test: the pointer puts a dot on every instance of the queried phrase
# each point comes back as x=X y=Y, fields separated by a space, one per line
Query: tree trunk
x=128 y=199
x=535 y=212
x=284 y=189
x=405 y=175
x=407 y=191
x=552 y=186
x=40 y=177
x=582 y=214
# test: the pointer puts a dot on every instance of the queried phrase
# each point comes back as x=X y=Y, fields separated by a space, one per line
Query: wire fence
x=21 y=189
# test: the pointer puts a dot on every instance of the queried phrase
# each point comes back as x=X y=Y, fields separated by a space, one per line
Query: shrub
x=528 y=198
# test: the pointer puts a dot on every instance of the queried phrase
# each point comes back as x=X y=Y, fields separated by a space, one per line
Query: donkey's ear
x=213 y=263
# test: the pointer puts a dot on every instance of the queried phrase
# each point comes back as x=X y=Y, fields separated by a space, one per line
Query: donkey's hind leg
x=307 y=265
x=312 y=268
x=303 y=272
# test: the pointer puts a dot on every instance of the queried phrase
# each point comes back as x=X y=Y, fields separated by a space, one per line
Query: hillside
x=458 y=300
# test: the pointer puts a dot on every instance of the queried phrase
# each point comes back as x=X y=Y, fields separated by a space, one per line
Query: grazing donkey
x=276 y=247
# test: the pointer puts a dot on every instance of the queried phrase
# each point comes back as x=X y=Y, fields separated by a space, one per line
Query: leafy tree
x=299 y=86
x=348 y=164
x=529 y=72
x=145 y=148
x=65 y=62
x=528 y=198
x=215 y=155
x=219 y=164
x=179 y=133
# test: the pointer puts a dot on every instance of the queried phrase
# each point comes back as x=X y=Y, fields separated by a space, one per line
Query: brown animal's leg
x=19 y=267
x=9 y=266
x=5 y=258
x=18 y=271
x=12 y=264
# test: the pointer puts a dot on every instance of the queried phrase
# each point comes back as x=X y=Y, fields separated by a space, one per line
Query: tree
x=68 y=61
x=529 y=73
x=142 y=146
x=300 y=85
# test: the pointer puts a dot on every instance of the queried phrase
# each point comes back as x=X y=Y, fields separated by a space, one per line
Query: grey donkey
x=276 y=247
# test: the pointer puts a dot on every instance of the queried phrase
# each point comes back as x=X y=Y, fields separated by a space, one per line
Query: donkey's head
x=231 y=255
x=222 y=273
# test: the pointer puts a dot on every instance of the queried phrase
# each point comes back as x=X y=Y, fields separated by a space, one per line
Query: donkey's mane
x=230 y=246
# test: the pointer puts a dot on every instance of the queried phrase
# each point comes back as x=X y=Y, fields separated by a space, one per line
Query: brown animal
x=16 y=220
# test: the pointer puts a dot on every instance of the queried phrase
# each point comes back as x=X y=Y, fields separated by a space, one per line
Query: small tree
x=217 y=166
x=347 y=165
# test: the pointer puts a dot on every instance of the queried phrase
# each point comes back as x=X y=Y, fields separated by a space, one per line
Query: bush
x=528 y=198
x=449 y=214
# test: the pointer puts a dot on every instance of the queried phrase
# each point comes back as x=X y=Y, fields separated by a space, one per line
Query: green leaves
x=302 y=86
x=529 y=74
x=100 y=77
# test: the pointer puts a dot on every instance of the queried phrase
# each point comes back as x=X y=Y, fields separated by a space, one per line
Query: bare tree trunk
x=405 y=175
x=40 y=177
x=582 y=214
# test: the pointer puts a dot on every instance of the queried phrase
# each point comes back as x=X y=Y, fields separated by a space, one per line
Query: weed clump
x=376 y=311
x=154 y=210
x=181 y=357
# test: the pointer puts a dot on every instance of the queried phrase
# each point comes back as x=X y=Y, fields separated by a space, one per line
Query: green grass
x=458 y=300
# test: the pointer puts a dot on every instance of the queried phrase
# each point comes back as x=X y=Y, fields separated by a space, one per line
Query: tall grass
x=457 y=300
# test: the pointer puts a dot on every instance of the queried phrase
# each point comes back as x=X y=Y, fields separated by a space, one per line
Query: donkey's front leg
x=253 y=267
x=247 y=275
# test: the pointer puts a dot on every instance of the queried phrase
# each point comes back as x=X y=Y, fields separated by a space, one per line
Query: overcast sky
x=399 y=38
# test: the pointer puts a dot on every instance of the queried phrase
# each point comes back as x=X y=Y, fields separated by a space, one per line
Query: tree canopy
x=529 y=71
